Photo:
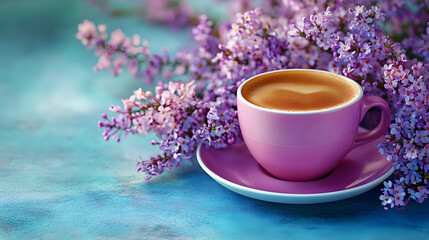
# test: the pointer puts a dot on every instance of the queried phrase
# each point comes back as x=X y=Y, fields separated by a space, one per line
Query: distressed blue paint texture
x=60 y=180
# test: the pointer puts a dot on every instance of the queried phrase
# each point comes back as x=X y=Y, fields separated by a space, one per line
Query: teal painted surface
x=60 y=180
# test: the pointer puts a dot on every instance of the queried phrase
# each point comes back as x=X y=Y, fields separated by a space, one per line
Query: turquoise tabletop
x=60 y=180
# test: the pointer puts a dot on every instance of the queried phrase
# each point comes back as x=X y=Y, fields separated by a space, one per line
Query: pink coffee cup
x=303 y=146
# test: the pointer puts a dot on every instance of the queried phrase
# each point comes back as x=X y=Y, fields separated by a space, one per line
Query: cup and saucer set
x=303 y=156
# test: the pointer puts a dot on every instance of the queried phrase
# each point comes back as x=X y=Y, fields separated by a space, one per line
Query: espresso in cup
x=298 y=124
x=300 y=91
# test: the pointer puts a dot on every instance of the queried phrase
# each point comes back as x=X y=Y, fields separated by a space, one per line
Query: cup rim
x=244 y=100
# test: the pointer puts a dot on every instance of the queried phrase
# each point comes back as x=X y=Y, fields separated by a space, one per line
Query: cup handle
x=383 y=125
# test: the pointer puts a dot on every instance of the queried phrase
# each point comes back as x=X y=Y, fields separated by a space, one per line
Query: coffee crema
x=299 y=91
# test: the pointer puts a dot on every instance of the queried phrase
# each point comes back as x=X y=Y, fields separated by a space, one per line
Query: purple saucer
x=234 y=168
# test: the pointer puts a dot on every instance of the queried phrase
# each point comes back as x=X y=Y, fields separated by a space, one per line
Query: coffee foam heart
x=299 y=91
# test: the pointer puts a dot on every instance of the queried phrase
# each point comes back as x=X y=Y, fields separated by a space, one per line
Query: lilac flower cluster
x=178 y=117
x=120 y=51
x=380 y=44
x=407 y=144
x=355 y=40
x=252 y=47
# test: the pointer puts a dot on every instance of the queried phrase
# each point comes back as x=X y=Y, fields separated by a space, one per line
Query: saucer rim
x=347 y=192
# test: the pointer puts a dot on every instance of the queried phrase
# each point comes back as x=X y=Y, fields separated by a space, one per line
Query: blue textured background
x=60 y=180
